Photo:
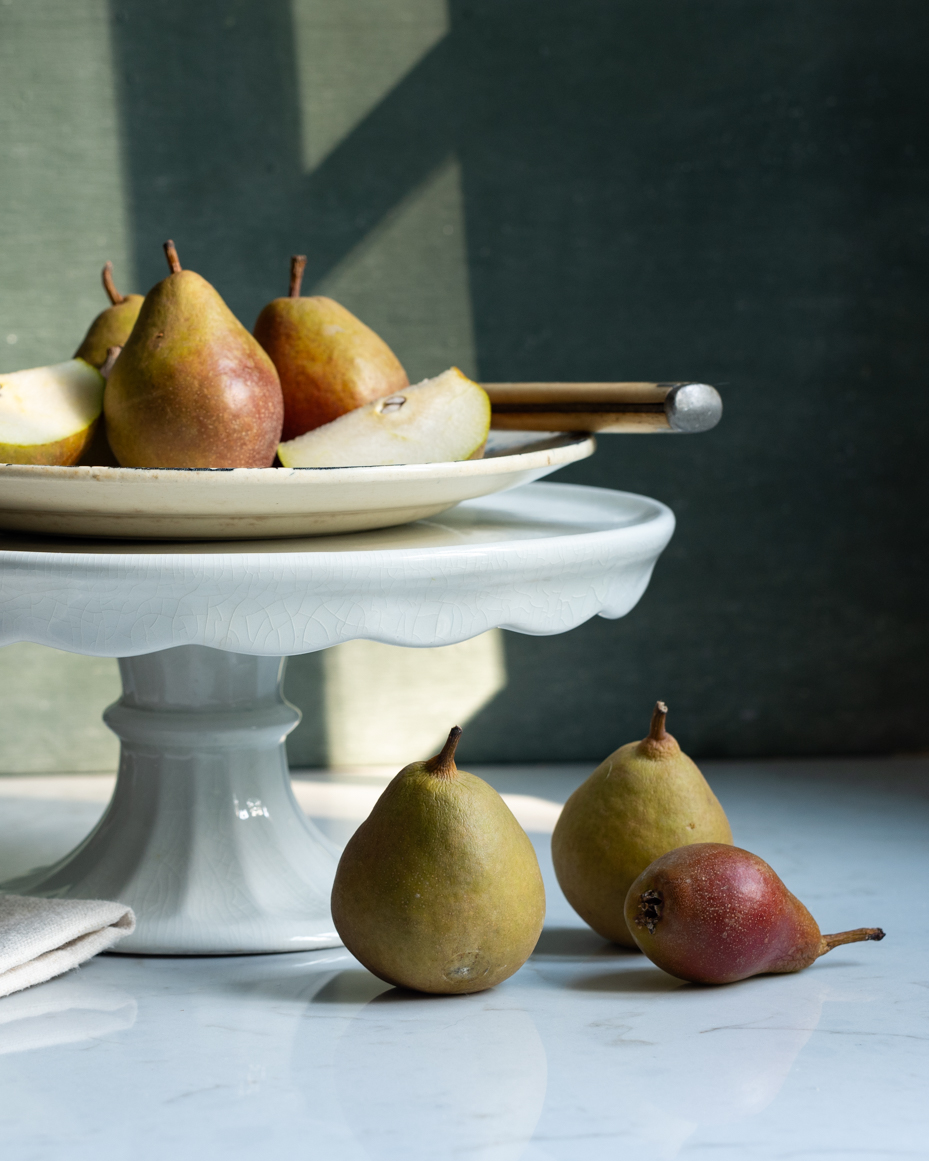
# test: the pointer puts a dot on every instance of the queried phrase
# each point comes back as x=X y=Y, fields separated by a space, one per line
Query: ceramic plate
x=261 y=503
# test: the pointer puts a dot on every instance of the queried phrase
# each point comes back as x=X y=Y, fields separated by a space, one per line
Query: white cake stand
x=203 y=837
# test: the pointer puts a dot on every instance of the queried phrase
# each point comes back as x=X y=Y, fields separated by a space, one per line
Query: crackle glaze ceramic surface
x=203 y=837
x=164 y=504
x=542 y=559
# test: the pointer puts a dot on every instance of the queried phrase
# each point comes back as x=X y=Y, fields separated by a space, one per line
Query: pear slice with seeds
x=440 y=419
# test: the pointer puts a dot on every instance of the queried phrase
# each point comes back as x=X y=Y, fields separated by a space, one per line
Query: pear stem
x=297 y=267
x=171 y=254
x=443 y=764
x=109 y=286
x=657 y=731
x=112 y=354
x=859 y=935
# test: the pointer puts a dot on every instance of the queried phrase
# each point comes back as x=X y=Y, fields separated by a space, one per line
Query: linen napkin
x=43 y=938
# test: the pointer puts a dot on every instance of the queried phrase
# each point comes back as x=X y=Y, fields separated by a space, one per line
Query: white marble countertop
x=587 y=1053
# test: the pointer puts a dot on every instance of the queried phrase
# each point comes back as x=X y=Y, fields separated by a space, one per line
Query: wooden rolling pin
x=630 y=408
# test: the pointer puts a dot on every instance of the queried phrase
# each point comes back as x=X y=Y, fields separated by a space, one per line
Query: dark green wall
x=730 y=190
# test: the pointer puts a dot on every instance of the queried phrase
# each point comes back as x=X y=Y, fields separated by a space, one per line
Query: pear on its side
x=113 y=326
x=647 y=798
x=48 y=414
x=439 y=889
x=328 y=360
x=713 y=913
x=438 y=420
x=192 y=388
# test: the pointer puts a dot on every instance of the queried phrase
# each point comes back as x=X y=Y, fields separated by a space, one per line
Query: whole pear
x=439 y=889
x=328 y=360
x=648 y=797
x=113 y=326
x=713 y=914
x=192 y=388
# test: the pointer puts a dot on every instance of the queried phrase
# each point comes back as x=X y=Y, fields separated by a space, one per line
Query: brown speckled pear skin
x=113 y=326
x=439 y=890
x=645 y=799
x=192 y=388
x=712 y=913
x=329 y=362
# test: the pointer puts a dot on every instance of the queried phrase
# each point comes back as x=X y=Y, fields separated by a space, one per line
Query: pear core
x=439 y=890
x=442 y=419
x=646 y=798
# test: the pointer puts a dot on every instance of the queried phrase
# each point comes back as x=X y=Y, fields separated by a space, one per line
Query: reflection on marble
x=587 y=1054
x=66 y=1010
x=470 y=1077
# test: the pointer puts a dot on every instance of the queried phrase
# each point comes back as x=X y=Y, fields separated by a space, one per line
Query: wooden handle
x=555 y=395
x=629 y=408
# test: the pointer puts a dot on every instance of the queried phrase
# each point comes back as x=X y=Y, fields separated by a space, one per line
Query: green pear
x=48 y=414
x=439 y=889
x=647 y=798
x=113 y=326
x=328 y=360
x=192 y=388
x=440 y=419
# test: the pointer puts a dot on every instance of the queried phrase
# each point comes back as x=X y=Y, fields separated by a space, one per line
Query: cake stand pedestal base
x=203 y=837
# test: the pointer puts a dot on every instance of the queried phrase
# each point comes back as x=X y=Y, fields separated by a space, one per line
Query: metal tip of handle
x=693 y=407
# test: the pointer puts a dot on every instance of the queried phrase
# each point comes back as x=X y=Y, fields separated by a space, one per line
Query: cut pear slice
x=441 y=419
x=48 y=414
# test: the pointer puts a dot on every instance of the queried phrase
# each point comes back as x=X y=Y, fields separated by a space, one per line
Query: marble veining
x=589 y=1053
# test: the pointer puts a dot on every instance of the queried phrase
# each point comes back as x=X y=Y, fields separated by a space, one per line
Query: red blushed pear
x=328 y=360
x=192 y=388
x=713 y=914
x=113 y=326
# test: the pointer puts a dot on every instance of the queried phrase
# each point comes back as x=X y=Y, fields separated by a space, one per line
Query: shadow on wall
x=734 y=191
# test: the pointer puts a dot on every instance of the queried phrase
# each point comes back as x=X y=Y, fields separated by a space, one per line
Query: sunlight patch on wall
x=350 y=54
x=62 y=203
x=389 y=706
x=50 y=707
x=408 y=278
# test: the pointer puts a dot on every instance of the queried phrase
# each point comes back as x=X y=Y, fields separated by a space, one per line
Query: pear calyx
x=110 y=286
x=171 y=254
x=112 y=354
x=857 y=935
x=648 y=912
x=659 y=743
x=297 y=267
x=443 y=764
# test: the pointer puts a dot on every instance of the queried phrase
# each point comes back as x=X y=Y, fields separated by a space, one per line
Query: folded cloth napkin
x=42 y=938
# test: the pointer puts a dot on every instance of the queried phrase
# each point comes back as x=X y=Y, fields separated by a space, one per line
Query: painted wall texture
x=735 y=191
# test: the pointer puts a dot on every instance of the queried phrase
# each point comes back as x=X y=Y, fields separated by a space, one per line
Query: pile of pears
x=644 y=854
x=174 y=380
x=439 y=890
